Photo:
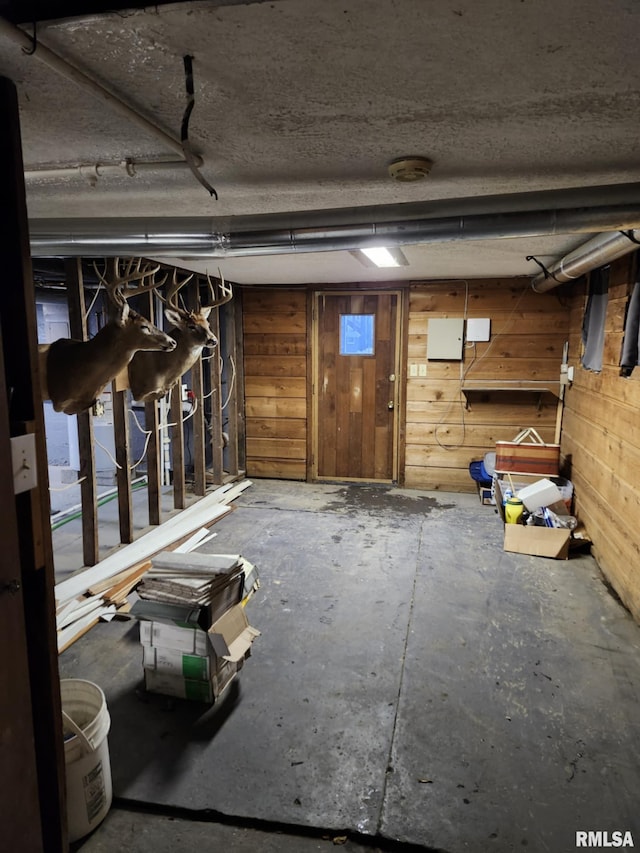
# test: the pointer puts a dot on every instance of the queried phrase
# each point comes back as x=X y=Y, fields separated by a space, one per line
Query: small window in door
x=357 y=334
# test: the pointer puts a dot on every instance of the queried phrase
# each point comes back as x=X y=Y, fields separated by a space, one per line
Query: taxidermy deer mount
x=73 y=373
x=153 y=374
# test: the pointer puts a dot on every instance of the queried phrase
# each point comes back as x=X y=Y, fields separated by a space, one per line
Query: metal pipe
x=80 y=78
x=113 y=237
x=243 y=237
x=603 y=249
x=91 y=172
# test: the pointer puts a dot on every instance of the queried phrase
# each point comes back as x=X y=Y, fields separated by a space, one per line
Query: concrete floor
x=414 y=687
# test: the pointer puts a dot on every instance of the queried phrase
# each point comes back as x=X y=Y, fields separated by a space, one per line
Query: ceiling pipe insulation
x=92 y=172
x=603 y=249
x=202 y=237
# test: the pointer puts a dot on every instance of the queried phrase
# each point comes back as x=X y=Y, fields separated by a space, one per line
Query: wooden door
x=355 y=386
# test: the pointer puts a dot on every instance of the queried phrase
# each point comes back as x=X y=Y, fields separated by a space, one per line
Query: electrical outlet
x=413 y=369
x=422 y=369
x=23 y=455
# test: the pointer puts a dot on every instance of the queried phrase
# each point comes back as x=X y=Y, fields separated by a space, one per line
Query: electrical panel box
x=478 y=329
x=444 y=339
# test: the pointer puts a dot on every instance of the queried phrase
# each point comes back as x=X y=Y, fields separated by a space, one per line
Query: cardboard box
x=168 y=684
x=251 y=579
x=231 y=635
x=190 y=663
x=191 y=641
x=172 y=662
x=180 y=615
x=550 y=542
x=535 y=541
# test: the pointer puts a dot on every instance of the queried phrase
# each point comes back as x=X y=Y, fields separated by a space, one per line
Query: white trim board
x=204 y=512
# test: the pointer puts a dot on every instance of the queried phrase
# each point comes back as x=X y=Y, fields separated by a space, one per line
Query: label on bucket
x=94 y=791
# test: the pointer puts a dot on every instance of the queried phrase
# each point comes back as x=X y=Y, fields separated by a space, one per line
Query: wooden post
x=88 y=489
x=197 y=419
x=216 y=403
x=231 y=400
x=121 y=440
x=123 y=472
x=240 y=425
x=26 y=815
x=19 y=812
x=154 y=462
x=154 y=447
x=177 y=447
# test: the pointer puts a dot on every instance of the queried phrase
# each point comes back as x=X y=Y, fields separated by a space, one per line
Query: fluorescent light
x=381 y=257
x=377 y=256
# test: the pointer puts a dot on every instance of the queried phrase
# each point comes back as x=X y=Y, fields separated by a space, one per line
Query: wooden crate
x=527 y=458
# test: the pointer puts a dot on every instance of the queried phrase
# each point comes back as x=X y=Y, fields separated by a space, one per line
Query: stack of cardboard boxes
x=538 y=541
x=194 y=631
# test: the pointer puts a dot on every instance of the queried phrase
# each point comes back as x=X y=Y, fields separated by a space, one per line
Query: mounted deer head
x=73 y=373
x=153 y=374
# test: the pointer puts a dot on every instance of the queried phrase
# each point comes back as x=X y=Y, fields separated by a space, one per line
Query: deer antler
x=225 y=290
x=173 y=288
x=130 y=270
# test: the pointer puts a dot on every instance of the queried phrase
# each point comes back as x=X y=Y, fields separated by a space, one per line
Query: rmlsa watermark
x=600 y=839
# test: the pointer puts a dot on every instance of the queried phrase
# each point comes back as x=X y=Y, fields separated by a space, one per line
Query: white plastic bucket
x=86 y=725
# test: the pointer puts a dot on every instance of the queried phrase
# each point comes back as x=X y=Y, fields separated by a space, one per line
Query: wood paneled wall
x=445 y=430
x=275 y=364
x=601 y=438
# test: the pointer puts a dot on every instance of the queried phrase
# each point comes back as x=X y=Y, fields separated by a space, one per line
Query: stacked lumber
x=102 y=592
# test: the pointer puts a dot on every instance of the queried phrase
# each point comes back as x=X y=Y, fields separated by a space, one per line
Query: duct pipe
x=203 y=238
x=57 y=63
x=603 y=249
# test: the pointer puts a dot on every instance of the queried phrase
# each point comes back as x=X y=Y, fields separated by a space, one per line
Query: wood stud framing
x=206 y=438
x=86 y=439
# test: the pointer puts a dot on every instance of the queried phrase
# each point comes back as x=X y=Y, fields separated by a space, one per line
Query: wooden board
x=202 y=513
x=294 y=428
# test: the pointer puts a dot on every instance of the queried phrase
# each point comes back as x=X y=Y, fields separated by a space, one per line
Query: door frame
x=27 y=529
x=399 y=385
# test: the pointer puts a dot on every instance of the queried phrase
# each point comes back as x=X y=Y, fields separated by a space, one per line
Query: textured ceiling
x=301 y=105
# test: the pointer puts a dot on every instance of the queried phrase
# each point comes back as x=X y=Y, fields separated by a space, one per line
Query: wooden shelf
x=535 y=386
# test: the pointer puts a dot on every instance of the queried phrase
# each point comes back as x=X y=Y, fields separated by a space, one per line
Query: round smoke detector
x=407 y=169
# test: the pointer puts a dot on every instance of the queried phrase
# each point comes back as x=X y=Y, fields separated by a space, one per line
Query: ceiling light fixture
x=379 y=256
